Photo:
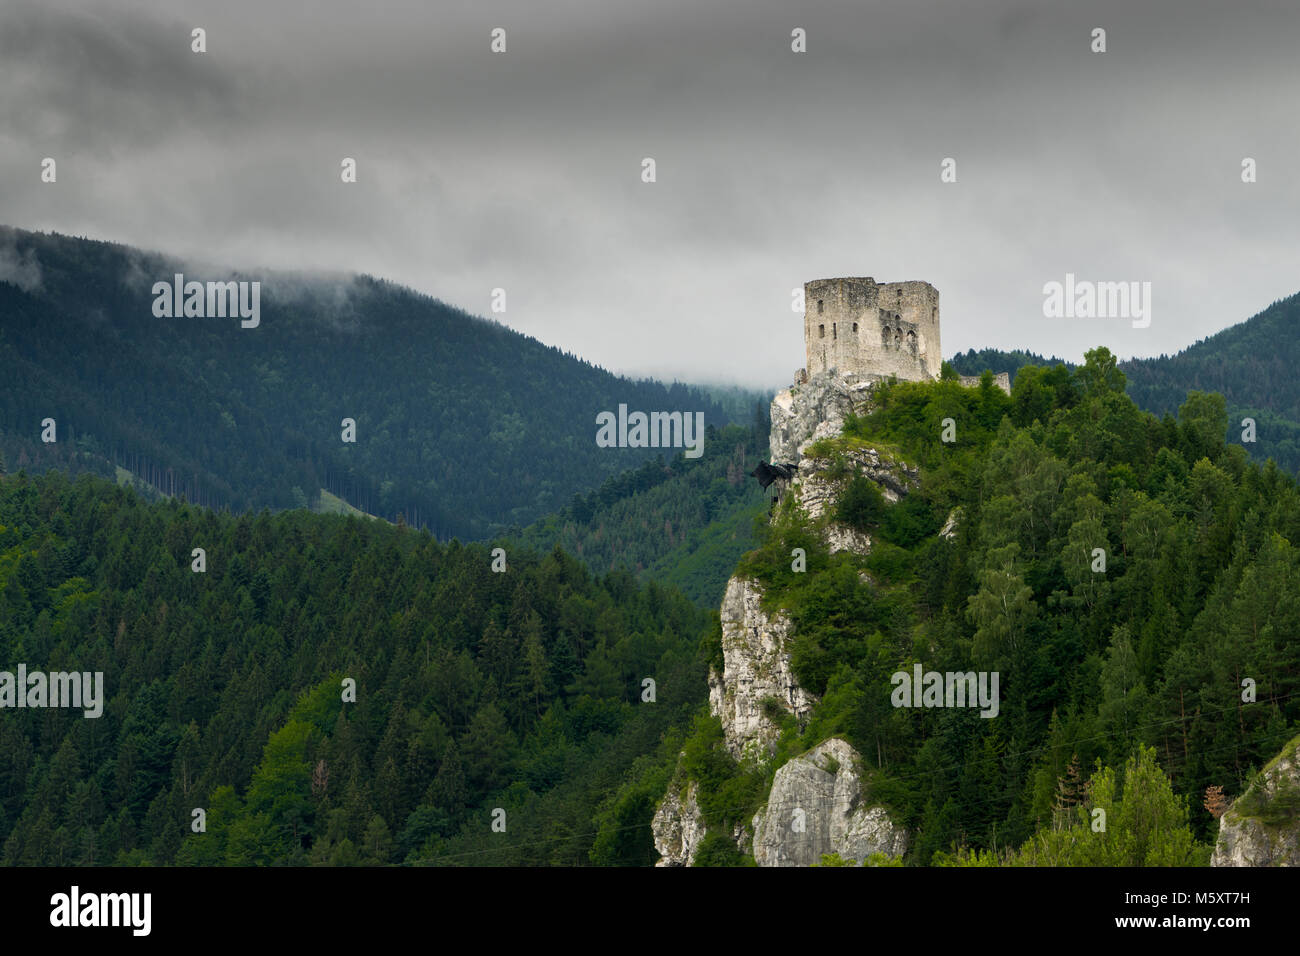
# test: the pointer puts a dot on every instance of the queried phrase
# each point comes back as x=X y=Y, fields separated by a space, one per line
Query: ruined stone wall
x=1002 y=380
x=859 y=325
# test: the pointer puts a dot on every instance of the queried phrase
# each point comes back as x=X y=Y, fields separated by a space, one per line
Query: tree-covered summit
x=1133 y=580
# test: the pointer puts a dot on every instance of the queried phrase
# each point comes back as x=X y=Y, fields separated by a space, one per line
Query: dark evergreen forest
x=463 y=426
x=1250 y=364
x=520 y=696
x=475 y=690
x=1168 y=668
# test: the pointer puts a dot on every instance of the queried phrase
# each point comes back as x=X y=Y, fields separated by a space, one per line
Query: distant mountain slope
x=683 y=523
x=1252 y=365
x=1253 y=362
x=463 y=425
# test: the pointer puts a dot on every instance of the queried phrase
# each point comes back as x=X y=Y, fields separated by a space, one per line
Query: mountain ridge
x=463 y=425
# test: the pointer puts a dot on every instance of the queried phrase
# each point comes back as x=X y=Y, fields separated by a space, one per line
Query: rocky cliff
x=820 y=480
x=756 y=683
x=755 y=673
x=816 y=807
x=1262 y=827
x=755 y=677
x=678 y=826
x=802 y=414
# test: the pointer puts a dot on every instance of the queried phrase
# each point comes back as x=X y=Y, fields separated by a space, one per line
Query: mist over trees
x=462 y=425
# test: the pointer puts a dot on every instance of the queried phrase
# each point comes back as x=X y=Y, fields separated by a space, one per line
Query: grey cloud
x=18 y=268
x=107 y=78
x=522 y=170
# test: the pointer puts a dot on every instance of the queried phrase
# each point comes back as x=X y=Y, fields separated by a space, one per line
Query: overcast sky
x=522 y=170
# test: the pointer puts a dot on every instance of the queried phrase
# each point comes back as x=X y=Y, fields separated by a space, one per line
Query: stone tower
x=859 y=325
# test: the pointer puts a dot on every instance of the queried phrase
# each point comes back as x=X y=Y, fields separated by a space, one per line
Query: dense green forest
x=462 y=425
x=737 y=402
x=523 y=690
x=1128 y=674
x=474 y=690
x=972 y=362
x=1250 y=364
x=684 y=523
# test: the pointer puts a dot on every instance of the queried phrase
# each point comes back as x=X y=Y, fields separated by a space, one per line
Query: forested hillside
x=462 y=425
x=1168 y=667
x=683 y=522
x=523 y=690
x=1252 y=364
x=474 y=690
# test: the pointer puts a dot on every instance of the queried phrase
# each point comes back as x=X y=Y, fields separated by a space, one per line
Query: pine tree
x=1069 y=794
x=320 y=779
x=377 y=844
x=449 y=785
x=1215 y=802
x=534 y=676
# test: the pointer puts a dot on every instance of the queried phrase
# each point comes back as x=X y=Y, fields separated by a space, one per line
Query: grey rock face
x=816 y=409
x=756 y=667
x=1257 y=830
x=678 y=826
x=756 y=674
x=819 y=494
x=840 y=537
x=816 y=807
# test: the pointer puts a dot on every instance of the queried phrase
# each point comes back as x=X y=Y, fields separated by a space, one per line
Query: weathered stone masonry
x=859 y=325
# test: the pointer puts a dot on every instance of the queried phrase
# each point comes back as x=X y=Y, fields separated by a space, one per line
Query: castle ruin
x=857 y=325
x=864 y=328
x=856 y=332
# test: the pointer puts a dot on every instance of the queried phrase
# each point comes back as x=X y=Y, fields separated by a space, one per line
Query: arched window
x=911 y=341
x=834 y=334
x=821 y=306
x=855 y=328
x=821 y=331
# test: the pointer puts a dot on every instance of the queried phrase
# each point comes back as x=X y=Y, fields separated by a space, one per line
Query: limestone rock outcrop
x=818 y=492
x=756 y=682
x=756 y=668
x=816 y=806
x=678 y=826
x=813 y=410
x=1262 y=827
x=840 y=537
